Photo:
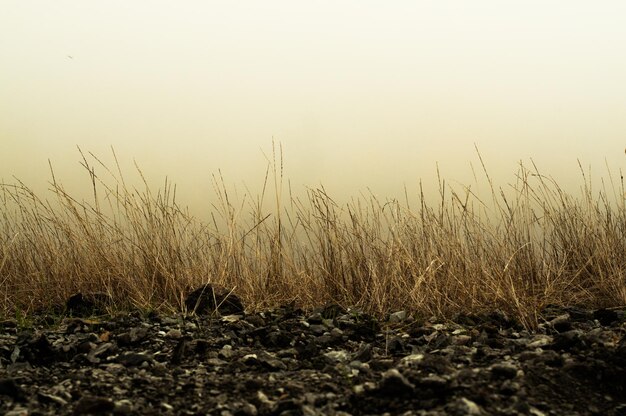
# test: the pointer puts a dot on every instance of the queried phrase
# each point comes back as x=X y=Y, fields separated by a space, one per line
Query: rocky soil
x=328 y=361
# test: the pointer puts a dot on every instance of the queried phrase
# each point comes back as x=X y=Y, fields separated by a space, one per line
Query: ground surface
x=324 y=362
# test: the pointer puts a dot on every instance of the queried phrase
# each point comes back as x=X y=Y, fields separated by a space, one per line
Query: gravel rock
x=329 y=361
x=93 y=405
x=208 y=299
x=88 y=304
x=10 y=388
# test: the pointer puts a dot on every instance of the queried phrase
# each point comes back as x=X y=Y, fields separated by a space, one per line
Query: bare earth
x=328 y=361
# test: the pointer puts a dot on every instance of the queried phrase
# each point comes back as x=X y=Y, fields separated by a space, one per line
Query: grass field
x=526 y=246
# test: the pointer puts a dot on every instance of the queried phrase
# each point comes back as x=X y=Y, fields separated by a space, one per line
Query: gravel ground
x=328 y=361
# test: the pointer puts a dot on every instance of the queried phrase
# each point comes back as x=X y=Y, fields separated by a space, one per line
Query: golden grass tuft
x=530 y=245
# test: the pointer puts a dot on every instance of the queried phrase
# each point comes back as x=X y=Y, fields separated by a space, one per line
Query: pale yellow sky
x=360 y=93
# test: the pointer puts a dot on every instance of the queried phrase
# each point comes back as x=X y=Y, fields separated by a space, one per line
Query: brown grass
x=530 y=245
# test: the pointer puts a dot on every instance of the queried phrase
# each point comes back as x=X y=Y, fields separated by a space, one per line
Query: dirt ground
x=328 y=361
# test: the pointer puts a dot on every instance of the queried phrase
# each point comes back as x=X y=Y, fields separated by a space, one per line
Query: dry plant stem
x=525 y=246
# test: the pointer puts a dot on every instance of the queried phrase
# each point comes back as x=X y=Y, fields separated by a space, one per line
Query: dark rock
x=393 y=383
x=433 y=382
x=132 y=359
x=504 y=370
x=9 y=387
x=8 y=324
x=307 y=350
x=568 y=340
x=550 y=358
x=208 y=299
x=605 y=316
x=255 y=320
x=134 y=336
x=621 y=347
x=264 y=360
x=500 y=319
x=562 y=323
x=33 y=347
x=395 y=346
x=467 y=320
x=93 y=406
x=381 y=364
x=440 y=341
x=88 y=304
x=463 y=407
x=364 y=353
x=332 y=311
x=362 y=327
x=180 y=350
x=51 y=398
x=436 y=364
x=101 y=351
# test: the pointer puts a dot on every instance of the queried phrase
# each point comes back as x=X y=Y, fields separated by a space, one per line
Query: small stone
x=461 y=340
x=8 y=324
x=535 y=412
x=359 y=366
x=174 y=334
x=364 y=353
x=509 y=387
x=364 y=388
x=381 y=364
x=504 y=370
x=412 y=359
x=337 y=356
x=123 y=407
x=567 y=340
x=208 y=299
x=539 y=341
x=8 y=387
x=271 y=362
x=88 y=304
x=248 y=358
x=308 y=410
x=397 y=317
x=179 y=351
x=230 y=319
x=263 y=399
x=15 y=354
x=328 y=323
x=133 y=359
x=255 y=320
x=226 y=352
x=605 y=316
x=34 y=347
x=332 y=311
x=336 y=333
x=393 y=382
x=17 y=411
x=562 y=323
x=43 y=397
x=317 y=329
x=216 y=362
x=93 y=405
x=434 y=382
x=249 y=409
x=94 y=356
x=468 y=407
x=134 y=336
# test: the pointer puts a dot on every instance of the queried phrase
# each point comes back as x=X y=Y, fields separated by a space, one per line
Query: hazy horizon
x=360 y=94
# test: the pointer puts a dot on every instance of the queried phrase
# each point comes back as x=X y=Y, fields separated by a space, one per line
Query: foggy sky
x=361 y=94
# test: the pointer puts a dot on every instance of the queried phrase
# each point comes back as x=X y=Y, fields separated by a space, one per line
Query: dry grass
x=530 y=245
